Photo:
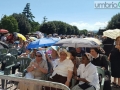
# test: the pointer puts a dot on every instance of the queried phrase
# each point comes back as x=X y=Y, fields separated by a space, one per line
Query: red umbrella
x=3 y=31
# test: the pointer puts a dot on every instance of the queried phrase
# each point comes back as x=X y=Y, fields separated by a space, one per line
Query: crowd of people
x=64 y=64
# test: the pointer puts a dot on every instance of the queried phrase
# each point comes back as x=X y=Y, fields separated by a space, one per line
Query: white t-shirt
x=63 y=67
x=89 y=72
x=54 y=62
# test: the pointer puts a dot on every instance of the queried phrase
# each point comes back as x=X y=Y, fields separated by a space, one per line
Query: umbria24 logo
x=107 y=4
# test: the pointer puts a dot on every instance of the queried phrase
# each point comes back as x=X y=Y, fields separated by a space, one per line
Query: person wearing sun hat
x=87 y=75
x=52 y=57
x=62 y=72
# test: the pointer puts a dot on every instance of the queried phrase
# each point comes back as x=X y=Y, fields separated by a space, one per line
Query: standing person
x=88 y=77
x=108 y=45
x=115 y=63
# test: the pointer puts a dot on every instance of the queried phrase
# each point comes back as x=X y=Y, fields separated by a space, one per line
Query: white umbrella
x=112 y=33
x=95 y=40
x=76 y=42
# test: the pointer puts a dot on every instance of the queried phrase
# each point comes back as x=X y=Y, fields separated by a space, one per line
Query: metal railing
x=29 y=84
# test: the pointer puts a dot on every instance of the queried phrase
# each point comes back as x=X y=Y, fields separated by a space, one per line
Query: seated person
x=63 y=71
x=98 y=59
x=33 y=53
x=101 y=61
x=52 y=58
x=87 y=75
x=79 y=53
x=26 y=54
x=38 y=67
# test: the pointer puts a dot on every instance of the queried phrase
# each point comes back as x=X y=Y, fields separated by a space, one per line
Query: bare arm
x=83 y=79
x=70 y=73
x=43 y=70
x=30 y=69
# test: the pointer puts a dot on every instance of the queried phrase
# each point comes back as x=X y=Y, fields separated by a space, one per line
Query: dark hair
x=85 y=56
x=73 y=53
x=96 y=49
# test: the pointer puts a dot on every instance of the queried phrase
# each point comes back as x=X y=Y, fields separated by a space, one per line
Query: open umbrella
x=19 y=35
x=33 y=38
x=113 y=34
x=42 y=43
x=3 y=31
x=95 y=40
x=76 y=42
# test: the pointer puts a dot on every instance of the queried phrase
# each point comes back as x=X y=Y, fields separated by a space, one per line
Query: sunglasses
x=38 y=55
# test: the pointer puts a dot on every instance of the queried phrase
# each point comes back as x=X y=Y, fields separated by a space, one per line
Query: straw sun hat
x=65 y=51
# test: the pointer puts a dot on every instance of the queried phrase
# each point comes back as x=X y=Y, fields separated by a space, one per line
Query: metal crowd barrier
x=30 y=84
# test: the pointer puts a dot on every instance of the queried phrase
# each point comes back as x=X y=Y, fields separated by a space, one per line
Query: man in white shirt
x=88 y=79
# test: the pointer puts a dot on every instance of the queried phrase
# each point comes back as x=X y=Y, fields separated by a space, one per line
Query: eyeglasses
x=38 y=55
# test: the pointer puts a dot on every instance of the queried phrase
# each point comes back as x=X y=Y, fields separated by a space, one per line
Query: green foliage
x=23 y=23
x=48 y=28
x=34 y=26
x=84 y=31
x=44 y=19
x=27 y=12
x=9 y=23
x=60 y=28
x=114 y=23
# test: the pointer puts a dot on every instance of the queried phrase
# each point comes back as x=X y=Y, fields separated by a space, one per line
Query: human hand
x=75 y=77
x=35 y=65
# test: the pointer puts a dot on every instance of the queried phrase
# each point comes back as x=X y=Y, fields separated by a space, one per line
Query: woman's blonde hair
x=65 y=51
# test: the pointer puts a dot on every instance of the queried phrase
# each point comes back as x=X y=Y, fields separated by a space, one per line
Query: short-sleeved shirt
x=63 y=67
x=89 y=72
x=37 y=72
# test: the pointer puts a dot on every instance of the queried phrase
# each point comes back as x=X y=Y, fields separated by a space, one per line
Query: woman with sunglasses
x=37 y=68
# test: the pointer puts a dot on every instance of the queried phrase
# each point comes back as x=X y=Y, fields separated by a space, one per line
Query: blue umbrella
x=42 y=42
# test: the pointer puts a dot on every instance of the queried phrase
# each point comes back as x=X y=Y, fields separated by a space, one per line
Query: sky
x=75 y=12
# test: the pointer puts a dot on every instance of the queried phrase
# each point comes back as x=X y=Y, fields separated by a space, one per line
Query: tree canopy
x=60 y=28
x=27 y=12
x=9 y=23
x=23 y=23
x=114 y=23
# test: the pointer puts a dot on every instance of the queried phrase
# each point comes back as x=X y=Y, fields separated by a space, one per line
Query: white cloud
x=82 y=25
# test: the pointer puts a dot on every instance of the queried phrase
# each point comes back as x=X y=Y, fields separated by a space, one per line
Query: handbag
x=84 y=86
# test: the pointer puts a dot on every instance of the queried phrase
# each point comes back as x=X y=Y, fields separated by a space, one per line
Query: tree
x=76 y=30
x=34 y=26
x=9 y=23
x=27 y=12
x=84 y=31
x=58 y=27
x=23 y=23
x=114 y=23
x=44 y=19
x=48 y=28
